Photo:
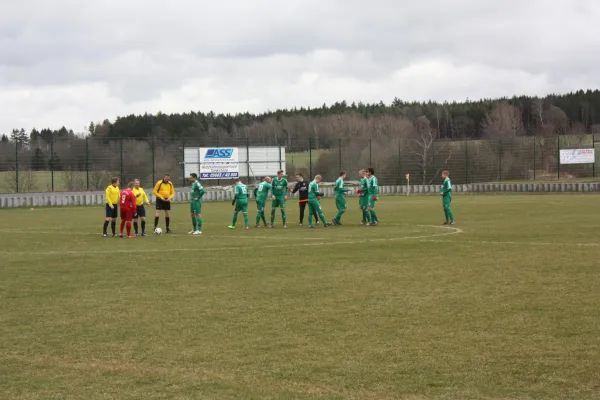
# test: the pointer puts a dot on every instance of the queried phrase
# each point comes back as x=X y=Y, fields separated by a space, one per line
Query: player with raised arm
x=196 y=205
x=128 y=207
x=373 y=185
x=280 y=189
x=111 y=212
x=260 y=194
x=340 y=200
x=165 y=193
x=313 y=202
x=363 y=199
x=140 y=199
x=240 y=203
x=446 y=192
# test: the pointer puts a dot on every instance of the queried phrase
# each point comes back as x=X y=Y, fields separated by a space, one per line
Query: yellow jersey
x=140 y=196
x=164 y=190
x=112 y=195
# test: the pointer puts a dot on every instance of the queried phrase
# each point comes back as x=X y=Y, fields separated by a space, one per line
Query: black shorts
x=162 y=205
x=141 y=212
x=111 y=212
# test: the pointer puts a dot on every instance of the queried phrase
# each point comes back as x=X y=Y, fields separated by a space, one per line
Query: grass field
x=504 y=305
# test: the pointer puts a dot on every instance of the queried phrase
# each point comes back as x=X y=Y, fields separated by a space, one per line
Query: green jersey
x=197 y=191
x=373 y=185
x=280 y=187
x=364 y=185
x=262 y=190
x=313 y=191
x=446 y=188
x=241 y=193
x=340 y=189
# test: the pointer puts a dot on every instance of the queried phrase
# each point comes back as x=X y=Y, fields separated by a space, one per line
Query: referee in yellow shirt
x=165 y=193
x=140 y=199
x=111 y=209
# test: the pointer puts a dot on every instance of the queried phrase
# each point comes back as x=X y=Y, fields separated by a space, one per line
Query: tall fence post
x=340 y=154
x=153 y=151
x=500 y=161
x=400 y=163
x=87 y=163
x=534 y=161
x=433 y=159
x=121 y=159
x=310 y=174
x=280 y=159
x=17 y=166
x=248 y=159
x=558 y=157
x=594 y=148
x=52 y=163
x=466 y=160
x=183 y=162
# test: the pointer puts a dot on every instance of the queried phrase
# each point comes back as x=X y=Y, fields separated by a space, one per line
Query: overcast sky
x=63 y=63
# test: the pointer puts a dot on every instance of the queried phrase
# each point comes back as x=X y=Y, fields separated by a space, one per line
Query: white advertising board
x=233 y=162
x=577 y=156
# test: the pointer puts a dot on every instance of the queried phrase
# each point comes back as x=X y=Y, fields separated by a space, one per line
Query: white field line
x=500 y=242
x=321 y=242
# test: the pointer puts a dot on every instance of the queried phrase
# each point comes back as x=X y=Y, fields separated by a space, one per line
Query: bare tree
x=421 y=143
x=503 y=121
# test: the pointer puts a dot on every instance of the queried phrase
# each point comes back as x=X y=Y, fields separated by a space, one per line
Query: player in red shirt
x=128 y=207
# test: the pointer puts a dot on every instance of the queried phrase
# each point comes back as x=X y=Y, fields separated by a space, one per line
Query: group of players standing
x=308 y=194
x=132 y=200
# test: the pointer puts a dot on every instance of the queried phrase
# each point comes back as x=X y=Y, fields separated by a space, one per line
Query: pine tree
x=37 y=161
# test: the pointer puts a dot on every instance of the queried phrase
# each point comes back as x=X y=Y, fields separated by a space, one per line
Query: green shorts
x=371 y=202
x=260 y=205
x=196 y=207
x=278 y=202
x=341 y=204
x=446 y=200
x=314 y=206
x=241 y=206
x=363 y=202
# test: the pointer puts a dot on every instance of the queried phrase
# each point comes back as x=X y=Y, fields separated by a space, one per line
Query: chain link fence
x=83 y=164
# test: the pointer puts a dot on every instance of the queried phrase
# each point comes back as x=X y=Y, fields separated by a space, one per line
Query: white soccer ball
x=157 y=231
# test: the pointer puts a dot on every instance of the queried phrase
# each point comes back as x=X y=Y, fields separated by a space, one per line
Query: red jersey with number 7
x=127 y=201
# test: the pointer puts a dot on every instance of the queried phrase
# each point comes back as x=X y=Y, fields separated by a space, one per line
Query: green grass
x=505 y=306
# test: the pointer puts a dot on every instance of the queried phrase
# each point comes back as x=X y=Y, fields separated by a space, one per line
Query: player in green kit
x=280 y=189
x=260 y=194
x=196 y=205
x=240 y=201
x=373 y=190
x=446 y=192
x=340 y=200
x=313 y=202
x=363 y=192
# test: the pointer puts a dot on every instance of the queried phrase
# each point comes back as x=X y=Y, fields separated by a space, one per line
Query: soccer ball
x=157 y=231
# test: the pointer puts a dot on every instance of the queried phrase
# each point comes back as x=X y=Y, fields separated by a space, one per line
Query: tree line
x=400 y=127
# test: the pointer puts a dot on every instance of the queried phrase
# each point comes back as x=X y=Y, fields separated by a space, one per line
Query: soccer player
x=373 y=184
x=240 y=203
x=196 y=205
x=164 y=192
x=260 y=194
x=446 y=192
x=111 y=212
x=128 y=207
x=140 y=199
x=363 y=192
x=280 y=189
x=302 y=188
x=313 y=201
x=340 y=200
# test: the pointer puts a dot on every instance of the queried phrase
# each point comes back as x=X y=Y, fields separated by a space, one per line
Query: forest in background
x=506 y=138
